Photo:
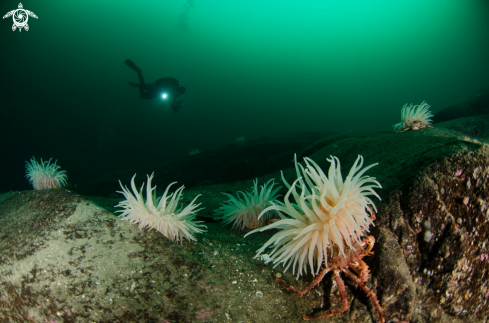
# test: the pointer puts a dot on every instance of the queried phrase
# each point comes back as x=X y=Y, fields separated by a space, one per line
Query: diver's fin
x=133 y=66
x=133 y=84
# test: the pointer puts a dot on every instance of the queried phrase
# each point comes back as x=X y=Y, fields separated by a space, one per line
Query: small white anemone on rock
x=45 y=175
x=329 y=215
x=243 y=212
x=160 y=213
x=414 y=117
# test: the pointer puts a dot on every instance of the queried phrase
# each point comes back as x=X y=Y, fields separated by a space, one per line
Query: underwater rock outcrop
x=443 y=231
x=67 y=258
x=431 y=258
x=477 y=104
x=242 y=160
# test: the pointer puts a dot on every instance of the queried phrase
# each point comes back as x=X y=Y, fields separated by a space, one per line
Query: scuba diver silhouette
x=166 y=88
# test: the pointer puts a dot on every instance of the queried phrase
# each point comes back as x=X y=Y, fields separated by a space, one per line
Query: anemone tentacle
x=328 y=216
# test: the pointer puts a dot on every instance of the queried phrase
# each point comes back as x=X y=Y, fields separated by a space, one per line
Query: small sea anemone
x=243 y=212
x=329 y=214
x=45 y=174
x=160 y=213
x=414 y=117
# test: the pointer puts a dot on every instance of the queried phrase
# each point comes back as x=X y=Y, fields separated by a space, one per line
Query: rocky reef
x=65 y=257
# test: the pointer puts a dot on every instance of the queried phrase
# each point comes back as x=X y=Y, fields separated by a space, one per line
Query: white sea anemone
x=328 y=215
x=45 y=174
x=414 y=114
x=243 y=212
x=160 y=213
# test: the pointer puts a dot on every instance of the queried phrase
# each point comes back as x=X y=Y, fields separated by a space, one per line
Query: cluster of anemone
x=414 y=117
x=326 y=215
x=243 y=211
x=162 y=214
x=322 y=215
x=45 y=175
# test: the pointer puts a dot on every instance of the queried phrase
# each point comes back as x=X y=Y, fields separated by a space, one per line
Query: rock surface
x=477 y=104
x=66 y=257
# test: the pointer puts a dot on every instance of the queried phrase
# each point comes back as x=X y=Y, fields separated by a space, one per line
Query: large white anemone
x=329 y=215
x=44 y=174
x=160 y=213
x=414 y=114
x=243 y=212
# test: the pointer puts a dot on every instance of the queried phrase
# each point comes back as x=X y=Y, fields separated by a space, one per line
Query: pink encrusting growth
x=202 y=314
x=45 y=175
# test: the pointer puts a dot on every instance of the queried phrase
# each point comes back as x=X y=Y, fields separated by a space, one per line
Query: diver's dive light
x=164 y=96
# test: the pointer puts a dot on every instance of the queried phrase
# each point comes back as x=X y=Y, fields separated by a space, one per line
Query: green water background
x=251 y=68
